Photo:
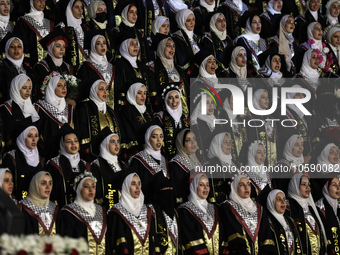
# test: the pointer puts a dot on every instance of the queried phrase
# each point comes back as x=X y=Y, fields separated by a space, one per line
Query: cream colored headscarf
x=33 y=192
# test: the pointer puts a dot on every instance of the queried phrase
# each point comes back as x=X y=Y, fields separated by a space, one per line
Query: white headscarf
x=94 y=56
x=106 y=154
x=314 y=13
x=333 y=202
x=308 y=73
x=310 y=29
x=294 y=193
x=71 y=20
x=94 y=97
x=332 y=20
x=132 y=205
x=322 y=159
x=329 y=34
x=3 y=171
x=31 y=156
x=221 y=35
x=88 y=206
x=196 y=114
x=25 y=104
x=52 y=98
x=271 y=207
x=124 y=15
x=293 y=107
x=175 y=114
x=285 y=39
x=246 y=203
x=249 y=34
x=18 y=62
x=268 y=71
x=209 y=7
x=256 y=98
x=288 y=151
x=148 y=148
x=271 y=9
x=238 y=3
x=33 y=191
x=181 y=17
x=124 y=51
x=252 y=162
x=73 y=158
x=203 y=71
x=4 y=20
x=215 y=149
x=200 y=203
x=57 y=61
x=168 y=63
x=131 y=97
x=92 y=8
x=157 y=23
x=239 y=71
x=38 y=16
x=177 y=5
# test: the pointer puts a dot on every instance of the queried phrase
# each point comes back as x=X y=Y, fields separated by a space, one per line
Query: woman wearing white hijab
x=131 y=220
x=202 y=15
x=7 y=182
x=245 y=222
x=185 y=39
x=332 y=12
x=207 y=70
x=271 y=19
x=332 y=33
x=328 y=157
x=94 y=115
x=84 y=218
x=287 y=239
x=199 y=220
x=293 y=153
x=40 y=213
x=272 y=70
x=305 y=215
x=328 y=208
x=309 y=70
x=171 y=120
x=65 y=167
x=5 y=25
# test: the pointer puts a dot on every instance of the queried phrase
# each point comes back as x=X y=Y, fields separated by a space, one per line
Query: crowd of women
x=103 y=134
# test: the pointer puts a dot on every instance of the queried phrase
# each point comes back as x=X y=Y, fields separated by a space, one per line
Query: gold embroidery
x=120 y=241
x=194 y=243
x=138 y=248
x=85 y=141
x=314 y=240
x=94 y=247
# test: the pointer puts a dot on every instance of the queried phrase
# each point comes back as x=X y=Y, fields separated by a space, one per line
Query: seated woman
x=24 y=162
x=305 y=215
x=273 y=71
x=245 y=222
x=95 y=114
x=131 y=225
x=183 y=163
x=332 y=12
x=84 y=218
x=171 y=120
x=54 y=112
x=202 y=231
x=17 y=108
x=40 y=213
x=7 y=182
x=5 y=24
x=287 y=239
x=66 y=166
x=270 y=19
x=107 y=168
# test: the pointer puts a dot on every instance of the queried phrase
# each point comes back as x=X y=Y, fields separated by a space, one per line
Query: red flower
x=74 y=252
x=48 y=248
x=310 y=41
x=22 y=252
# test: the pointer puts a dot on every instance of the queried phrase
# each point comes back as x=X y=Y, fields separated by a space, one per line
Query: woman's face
x=333 y=155
x=298 y=148
x=305 y=187
x=190 y=143
x=334 y=188
x=88 y=191
x=169 y=49
x=45 y=187
x=31 y=139
x=280 y=203
x=256 y=25
x=203 y=188
x=241 y=58
x=59 y=49
x=264 y=100
x=221 y=23
x=164 y=28
x=243 y=188
x=275 y=64
x=334 y=11
x=5 y=7
x=132 y=15
x=39 y=5
x=335 y=39
x=173 y=100
x=314 y=60
x=210 y=66
x=135 y=187
x=156 y=139
x=317 y=32
x=133 y=48
x=101 y=46
x=102 y=91
x=190 y=22
x=277 y=5
x=114 y=145
x=290 y=25
x=210 y=106
x=260 y=155
x=8 y=183
x=141 y=95
x=71 y=144
x=314 y=5
x=15 y=49
x=61 y=89
x=101 y=8
x=26 y=90
x=226 y=145
x=77 y=10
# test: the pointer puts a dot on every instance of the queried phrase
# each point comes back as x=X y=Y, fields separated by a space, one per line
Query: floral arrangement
x=82 y=176
x=42 y=245
x=47 y=80
x=325 y=57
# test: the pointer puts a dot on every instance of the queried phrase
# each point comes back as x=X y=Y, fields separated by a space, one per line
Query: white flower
x=325 y=50
x=313 y=46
